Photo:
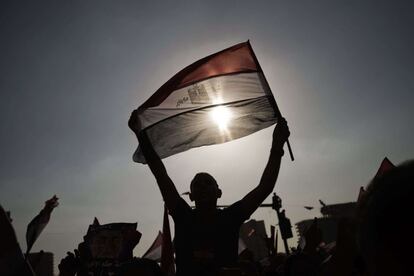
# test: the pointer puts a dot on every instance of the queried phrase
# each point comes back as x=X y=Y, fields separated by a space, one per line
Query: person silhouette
x=383 y=217
x=12 y=260
x=206 y=238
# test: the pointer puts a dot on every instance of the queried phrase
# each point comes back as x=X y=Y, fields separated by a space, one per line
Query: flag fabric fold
x=217 y=99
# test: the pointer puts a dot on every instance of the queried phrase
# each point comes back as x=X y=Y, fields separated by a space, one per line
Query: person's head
x=385 y=223
x=204 y=190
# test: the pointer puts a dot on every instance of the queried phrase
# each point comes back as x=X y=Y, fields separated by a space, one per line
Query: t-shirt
x=203 y=246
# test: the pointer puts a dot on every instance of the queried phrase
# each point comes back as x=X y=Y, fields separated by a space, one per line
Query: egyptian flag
x=217 y=99
x=39 y=222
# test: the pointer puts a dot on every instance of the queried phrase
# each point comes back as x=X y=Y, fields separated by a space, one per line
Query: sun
x=222 y=116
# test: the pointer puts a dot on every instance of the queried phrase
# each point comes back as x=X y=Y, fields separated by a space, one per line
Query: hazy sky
x=72 y=71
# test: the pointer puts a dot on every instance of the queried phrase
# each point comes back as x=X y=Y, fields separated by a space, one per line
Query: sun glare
x=221 y=115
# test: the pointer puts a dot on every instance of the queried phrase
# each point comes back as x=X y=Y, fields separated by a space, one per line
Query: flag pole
x=272 y=99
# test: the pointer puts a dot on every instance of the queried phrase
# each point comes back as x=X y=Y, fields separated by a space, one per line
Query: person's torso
x=204 y=244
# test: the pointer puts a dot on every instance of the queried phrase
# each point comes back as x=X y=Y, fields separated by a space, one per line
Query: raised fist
x=281 y=133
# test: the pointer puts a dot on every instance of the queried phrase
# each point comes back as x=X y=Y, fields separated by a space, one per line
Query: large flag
x=217 y=99
x=39 y=222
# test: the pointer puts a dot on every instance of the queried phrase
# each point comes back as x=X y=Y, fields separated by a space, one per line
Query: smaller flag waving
x=385 y=166
x=39 y=222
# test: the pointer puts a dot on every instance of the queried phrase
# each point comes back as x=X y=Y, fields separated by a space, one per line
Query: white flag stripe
x=217 y=90
x=197 y=128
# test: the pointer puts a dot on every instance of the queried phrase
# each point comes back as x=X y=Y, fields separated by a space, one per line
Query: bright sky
x=71 y=73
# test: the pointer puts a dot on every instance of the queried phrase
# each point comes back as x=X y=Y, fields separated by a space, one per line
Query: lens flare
x=221 y=115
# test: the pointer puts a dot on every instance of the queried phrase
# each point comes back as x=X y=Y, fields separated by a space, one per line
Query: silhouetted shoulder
x=237 y=212
x=181 y=210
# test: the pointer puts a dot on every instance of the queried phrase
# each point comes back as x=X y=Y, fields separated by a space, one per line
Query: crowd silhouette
x=374 y=241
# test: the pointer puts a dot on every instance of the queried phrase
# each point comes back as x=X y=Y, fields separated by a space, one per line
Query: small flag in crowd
x=217 y=99
x=39 y=222
x=385 y=166
x=154 y=252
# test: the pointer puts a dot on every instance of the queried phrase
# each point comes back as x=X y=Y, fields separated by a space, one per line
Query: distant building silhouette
x=331 y=214
x=339 y=210
x=253 y=234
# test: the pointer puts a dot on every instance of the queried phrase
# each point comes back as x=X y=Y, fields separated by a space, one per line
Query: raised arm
x=168 y=191
x=267 y=183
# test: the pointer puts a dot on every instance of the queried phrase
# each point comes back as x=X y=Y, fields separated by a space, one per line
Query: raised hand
x=8 y=240
x=280 y=134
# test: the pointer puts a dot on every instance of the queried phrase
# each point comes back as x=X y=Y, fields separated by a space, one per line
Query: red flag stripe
x=236 y=59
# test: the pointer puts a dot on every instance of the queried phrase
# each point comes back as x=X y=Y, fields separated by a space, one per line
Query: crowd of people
x=375 y=241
